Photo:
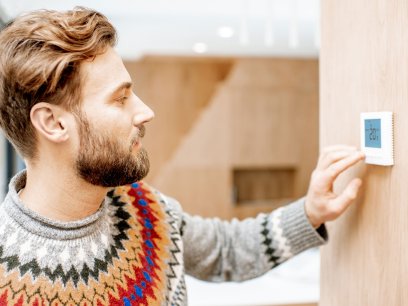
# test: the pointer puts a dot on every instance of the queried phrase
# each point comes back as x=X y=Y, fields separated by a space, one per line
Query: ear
x=47 y=120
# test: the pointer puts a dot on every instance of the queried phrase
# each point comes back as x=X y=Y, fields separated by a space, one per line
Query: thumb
x=349 y=194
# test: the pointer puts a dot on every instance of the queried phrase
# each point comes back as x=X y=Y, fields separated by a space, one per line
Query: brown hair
x=40 y=57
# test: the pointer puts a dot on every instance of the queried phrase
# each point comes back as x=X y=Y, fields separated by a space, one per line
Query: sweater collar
x=37 y=224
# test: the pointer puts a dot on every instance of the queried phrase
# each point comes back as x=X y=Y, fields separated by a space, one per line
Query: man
x=68 y=234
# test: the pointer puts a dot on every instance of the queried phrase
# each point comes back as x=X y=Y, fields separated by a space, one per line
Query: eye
x=122 y=100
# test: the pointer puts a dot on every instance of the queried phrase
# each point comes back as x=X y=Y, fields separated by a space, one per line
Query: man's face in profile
x=110 y=125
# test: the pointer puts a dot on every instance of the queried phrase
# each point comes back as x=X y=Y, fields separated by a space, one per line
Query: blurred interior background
x=234 y=85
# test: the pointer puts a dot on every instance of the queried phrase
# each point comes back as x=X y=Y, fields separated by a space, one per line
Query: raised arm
x=218 y=250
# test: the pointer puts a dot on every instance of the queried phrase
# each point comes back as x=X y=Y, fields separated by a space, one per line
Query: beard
x=105 y=161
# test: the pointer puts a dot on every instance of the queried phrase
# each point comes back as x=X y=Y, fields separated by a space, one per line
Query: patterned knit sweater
x=136 y=249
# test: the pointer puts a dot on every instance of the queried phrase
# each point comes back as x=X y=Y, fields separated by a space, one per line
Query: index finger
x=335 y=169
x=333 y=154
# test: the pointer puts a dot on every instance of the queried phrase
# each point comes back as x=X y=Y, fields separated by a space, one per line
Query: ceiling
x=273 y=28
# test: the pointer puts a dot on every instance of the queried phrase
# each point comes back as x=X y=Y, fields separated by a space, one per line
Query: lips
x=136 y=141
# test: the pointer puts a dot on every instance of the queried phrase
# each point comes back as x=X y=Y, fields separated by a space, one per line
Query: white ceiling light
x=200 y=47
x=225 y=32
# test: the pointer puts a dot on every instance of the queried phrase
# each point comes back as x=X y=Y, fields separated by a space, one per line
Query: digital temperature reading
x=373 y=133
x=377 y=139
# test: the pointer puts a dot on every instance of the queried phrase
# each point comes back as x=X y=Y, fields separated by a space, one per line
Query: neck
x=59 y=194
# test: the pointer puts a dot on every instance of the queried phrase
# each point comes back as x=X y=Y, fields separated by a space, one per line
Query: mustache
x=142 y=131
x=140 y=134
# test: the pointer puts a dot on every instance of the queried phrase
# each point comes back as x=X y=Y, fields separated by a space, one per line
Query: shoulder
x=144 y=196
x=169 y=204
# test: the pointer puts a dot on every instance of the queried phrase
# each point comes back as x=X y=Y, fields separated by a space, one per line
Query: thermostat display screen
x=377 y=138
x=372 y=133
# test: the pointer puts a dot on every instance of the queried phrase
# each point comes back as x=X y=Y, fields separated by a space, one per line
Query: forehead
x=103 y=74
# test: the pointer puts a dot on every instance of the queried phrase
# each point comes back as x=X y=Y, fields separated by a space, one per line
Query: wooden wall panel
x=203 y=191
x=275 y=115
x=364 y=60
x=198 y=174
x=177 y=89
x=256 y=110
x=272 y=127
x=279 y=73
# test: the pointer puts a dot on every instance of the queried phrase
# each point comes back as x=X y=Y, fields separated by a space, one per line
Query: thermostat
x=377 y=139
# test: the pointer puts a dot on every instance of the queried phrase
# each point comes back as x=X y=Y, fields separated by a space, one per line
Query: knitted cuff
x=297 y=229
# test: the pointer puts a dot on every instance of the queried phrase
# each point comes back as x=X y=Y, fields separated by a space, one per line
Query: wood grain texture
x=364 y=60
x=177 y=89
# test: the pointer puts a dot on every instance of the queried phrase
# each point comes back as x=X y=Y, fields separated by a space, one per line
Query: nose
x=143 y=113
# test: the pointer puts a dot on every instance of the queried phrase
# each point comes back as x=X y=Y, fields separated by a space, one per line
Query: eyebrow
x=125 y=85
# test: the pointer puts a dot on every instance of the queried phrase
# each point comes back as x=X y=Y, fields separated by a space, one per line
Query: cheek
x=73 y=145
x=112 y=121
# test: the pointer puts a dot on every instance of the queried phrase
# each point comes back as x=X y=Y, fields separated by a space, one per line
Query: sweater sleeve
x=216 y=250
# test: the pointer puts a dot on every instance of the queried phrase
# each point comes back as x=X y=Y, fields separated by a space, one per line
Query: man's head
x=40 y=57
x=60 y=65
